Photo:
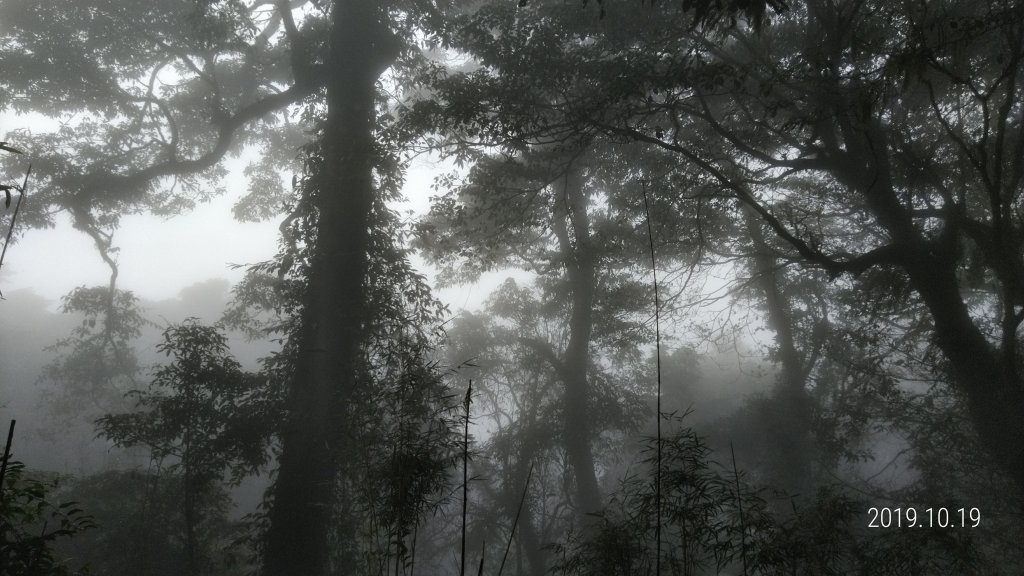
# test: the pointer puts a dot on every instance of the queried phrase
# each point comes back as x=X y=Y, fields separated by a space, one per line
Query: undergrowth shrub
x=31 y=523
x=715 y=522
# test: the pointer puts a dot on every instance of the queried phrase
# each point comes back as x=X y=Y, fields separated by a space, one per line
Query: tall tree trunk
x=529 y=539
x=533 y=548
x=994 y=394
x=301 y=519
x=578 y=257
x=791 y=405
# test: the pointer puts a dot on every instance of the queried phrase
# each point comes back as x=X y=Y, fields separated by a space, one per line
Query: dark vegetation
x=765 y=271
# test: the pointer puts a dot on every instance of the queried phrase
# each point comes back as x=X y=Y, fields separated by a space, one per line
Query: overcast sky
x=160 y=256
x=157 y=256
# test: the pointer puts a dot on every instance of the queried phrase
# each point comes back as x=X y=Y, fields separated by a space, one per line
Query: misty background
x=539 y=287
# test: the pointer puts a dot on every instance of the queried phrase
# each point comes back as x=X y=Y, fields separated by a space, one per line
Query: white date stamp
x=912 y=517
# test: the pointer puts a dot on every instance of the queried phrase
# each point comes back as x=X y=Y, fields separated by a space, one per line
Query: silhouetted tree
x=204 y=414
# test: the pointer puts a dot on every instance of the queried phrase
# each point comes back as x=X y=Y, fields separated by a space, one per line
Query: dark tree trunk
x=994 y=394
x=995 y=398
x=790 y=406
x=529 y=539
x=531 y=544
x=301 y=519
x=578 y=257
x=791 y=380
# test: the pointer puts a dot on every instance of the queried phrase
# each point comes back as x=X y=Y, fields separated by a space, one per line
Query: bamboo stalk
x=465 y=478
x=739 y=503
x=657 y=359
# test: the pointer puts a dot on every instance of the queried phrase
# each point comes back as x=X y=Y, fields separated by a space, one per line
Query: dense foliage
x=31 y=523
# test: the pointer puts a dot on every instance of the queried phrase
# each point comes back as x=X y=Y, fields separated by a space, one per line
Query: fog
x=345 y=287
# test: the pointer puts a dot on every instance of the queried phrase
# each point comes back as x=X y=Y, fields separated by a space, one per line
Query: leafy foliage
x=31 y=524
x=201 y=410
x=205 y=416
x=96 y=365
x=398 y=439
x=715 y=522
x=139 y=520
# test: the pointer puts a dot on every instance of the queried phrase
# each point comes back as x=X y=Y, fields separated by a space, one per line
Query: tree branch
x=888 y=254
x=225 y=137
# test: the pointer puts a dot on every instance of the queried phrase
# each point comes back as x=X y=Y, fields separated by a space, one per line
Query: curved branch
x=225 y=137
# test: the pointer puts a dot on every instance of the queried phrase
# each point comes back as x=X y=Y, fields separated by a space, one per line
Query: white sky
x=159 y=256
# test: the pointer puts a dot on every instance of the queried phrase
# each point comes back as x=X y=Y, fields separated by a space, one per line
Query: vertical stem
x=515 y=522
x=7 y=456
x=415 y=533
x=739 y=503
x=189 y=500
x=14 y=216
x=657 y=357
x=465 y=479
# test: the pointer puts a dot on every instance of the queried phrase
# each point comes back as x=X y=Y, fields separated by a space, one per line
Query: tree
x=97 y=364
x=361 y=48
x=206 y=415
x=516 y=345
x=166 y=91
x=905 y=120
x=890 y=148
x=543 y=211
